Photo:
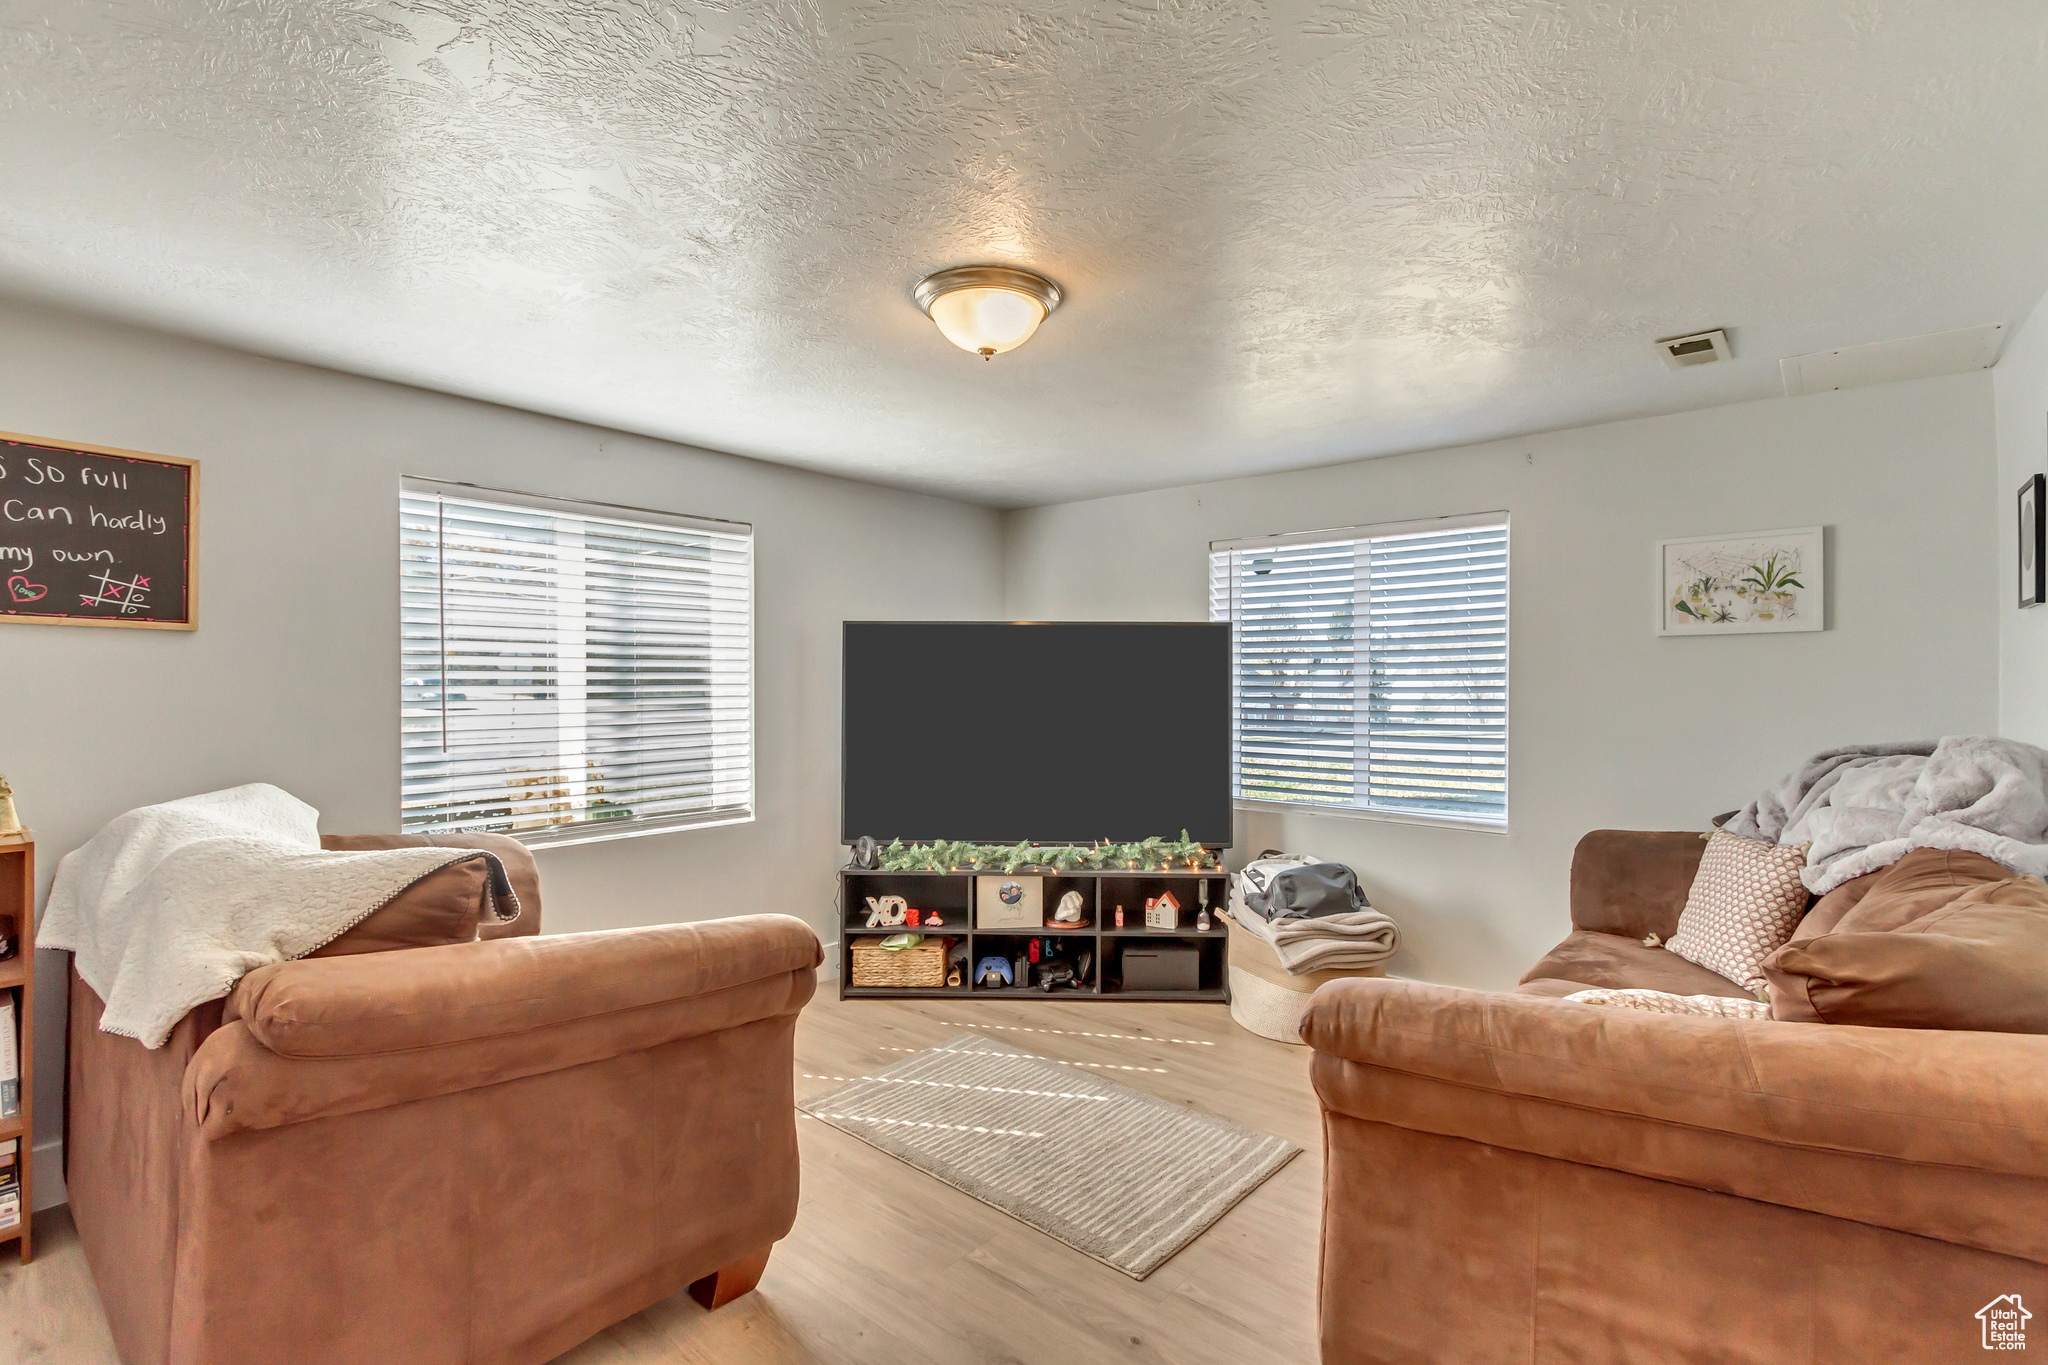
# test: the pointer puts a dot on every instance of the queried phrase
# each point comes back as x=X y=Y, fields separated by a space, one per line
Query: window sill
x=1384 y=816
x=597 y=834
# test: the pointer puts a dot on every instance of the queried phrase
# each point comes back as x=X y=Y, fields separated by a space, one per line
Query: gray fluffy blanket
x=1867 y=806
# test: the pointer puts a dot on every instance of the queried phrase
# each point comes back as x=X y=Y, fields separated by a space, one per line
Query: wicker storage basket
x=924 y=965
x=1265 y=998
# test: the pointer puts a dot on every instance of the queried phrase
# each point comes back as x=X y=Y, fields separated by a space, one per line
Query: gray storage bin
x=1162 y=967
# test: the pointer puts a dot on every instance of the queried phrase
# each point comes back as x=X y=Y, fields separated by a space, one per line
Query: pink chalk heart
x=21 y=590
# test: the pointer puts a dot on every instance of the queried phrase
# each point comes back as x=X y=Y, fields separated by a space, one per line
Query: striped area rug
x=1114 y=1173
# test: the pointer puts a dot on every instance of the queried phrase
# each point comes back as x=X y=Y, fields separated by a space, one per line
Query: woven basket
x=1265 y=998
x=924 y=965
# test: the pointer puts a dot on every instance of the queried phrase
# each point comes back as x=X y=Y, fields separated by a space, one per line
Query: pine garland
x=1147 y=855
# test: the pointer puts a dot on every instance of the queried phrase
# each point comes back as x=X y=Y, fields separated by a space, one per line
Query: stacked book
x=10 y=1185
x=10 y=1107
x=10 y=1060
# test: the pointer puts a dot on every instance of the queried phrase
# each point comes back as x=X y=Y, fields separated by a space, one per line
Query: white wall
x=2021 y=386
x=292 y=676
x=1611 y=725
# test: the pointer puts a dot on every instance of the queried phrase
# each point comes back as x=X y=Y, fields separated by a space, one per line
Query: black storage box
x=1162 y=967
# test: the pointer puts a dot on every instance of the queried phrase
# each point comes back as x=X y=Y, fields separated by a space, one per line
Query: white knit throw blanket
x=169 y=906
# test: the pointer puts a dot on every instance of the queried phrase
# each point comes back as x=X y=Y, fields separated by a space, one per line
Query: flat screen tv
x=1051 y=732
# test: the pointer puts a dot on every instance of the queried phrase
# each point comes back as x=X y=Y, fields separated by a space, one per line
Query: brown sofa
x=479 y=1152
x=1515 y=1178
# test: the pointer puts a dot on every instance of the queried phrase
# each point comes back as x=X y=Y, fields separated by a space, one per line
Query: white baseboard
x=829 y=971
x=48 y=1171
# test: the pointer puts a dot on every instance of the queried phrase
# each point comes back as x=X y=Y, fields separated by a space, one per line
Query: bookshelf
x=952 y=894
x=18 y=978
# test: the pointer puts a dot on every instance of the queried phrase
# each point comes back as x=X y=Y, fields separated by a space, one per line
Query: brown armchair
x=1514 y=1177
x=479 y=1152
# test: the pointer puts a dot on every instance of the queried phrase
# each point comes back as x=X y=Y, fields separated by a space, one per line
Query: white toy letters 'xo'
x=1070 y=909
x=886 y=911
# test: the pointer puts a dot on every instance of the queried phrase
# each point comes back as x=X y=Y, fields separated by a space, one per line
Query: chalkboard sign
x=92 y=536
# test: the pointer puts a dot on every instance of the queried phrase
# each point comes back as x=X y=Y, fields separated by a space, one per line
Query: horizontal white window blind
x=1371 y=667
x=571 y=671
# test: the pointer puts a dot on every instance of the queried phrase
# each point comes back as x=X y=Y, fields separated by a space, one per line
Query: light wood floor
x=889 y=1266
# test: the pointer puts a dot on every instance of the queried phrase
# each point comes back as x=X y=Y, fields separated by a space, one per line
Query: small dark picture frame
x=2034 y=541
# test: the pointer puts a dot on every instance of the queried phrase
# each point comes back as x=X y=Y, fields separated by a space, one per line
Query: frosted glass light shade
x=987 y=321
x=987 y=309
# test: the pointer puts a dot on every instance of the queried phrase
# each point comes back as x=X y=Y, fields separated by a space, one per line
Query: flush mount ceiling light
x=987 y=309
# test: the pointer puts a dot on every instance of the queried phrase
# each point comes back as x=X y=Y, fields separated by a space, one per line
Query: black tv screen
x=1051 y=732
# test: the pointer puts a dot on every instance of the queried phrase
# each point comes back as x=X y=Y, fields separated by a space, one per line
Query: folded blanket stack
x=1346 y=942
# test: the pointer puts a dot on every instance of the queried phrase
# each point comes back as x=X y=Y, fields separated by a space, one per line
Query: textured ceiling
x=1289 y=233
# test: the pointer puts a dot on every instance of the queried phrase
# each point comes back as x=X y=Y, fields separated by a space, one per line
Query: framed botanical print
x=1753 y=582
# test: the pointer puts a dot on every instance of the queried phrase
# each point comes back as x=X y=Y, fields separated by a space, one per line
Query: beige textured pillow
x=1745 y=901
x=1663 y=1002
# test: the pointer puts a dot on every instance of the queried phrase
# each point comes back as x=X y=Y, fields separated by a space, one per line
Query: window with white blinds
x=572 y=671
x=1371 y=667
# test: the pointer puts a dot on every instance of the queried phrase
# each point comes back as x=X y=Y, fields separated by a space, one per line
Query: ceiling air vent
x=1701 y=348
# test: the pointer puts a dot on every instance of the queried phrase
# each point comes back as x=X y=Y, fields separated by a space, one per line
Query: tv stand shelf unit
x=1102 y=890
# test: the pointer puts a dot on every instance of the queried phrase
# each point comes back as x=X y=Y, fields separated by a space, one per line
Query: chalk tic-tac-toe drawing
x=128 y=594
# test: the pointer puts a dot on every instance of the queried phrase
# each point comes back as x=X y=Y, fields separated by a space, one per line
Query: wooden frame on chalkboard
x=191 y=617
